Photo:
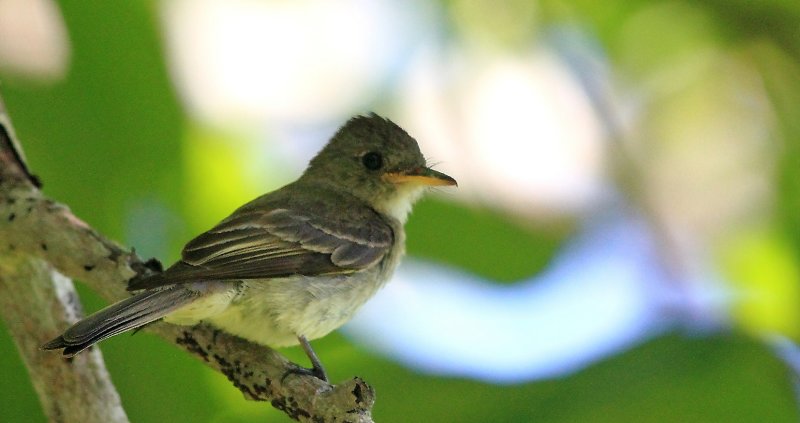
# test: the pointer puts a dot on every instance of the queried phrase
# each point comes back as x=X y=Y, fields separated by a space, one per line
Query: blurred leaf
x=676 y=379
x=158 y=382
x=111 y=132
x=511 y=23
x=671 y=379
x=215 y=177
x=782 y=79
x=738 y=21
x=483 y=242
x=761 y=267
x=644 y=48
x=19 y=401
x=774 y=20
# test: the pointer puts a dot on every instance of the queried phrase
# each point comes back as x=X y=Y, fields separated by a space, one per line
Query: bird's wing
x=258 y=244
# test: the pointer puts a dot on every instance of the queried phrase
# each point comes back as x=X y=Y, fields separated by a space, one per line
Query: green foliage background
x=107 y=141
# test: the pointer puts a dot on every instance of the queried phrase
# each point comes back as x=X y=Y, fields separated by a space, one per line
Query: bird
x=294 y=264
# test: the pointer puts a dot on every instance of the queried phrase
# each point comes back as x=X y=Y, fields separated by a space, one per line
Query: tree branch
x=40 y=240
x=64 y=387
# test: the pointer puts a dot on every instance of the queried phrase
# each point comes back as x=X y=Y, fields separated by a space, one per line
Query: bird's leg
x=316 y=370
x=316 y=366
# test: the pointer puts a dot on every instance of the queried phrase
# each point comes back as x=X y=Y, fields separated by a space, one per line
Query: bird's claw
x=317 y=372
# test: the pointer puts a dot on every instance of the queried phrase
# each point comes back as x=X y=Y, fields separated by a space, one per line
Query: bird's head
x=375 y=160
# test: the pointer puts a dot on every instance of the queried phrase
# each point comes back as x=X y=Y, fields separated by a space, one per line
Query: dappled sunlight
x=33 y=40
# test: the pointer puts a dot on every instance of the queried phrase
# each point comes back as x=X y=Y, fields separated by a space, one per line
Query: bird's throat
x=399 y=205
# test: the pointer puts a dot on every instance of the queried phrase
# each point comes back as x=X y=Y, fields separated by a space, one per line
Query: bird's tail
x=128 y=314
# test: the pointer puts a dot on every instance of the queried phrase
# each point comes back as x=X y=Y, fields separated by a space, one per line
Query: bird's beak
x=421 y=176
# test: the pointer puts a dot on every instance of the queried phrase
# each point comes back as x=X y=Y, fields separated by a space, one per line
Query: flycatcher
x=294 y=264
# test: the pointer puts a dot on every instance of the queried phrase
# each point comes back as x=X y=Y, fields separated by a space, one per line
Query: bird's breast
x=274 y=312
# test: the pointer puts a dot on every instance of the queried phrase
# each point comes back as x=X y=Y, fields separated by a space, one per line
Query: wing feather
x=263 y=244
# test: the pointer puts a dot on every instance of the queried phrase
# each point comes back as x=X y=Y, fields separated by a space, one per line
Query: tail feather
x=125 y=315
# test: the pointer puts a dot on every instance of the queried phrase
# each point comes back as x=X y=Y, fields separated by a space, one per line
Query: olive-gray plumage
x=293 y=264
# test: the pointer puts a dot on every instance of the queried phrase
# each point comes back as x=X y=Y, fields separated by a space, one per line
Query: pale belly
x=274 y=312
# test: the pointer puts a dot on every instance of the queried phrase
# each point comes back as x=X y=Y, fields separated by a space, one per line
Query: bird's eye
x=372 y=160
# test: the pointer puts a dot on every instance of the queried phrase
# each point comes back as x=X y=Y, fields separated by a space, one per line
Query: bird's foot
x=317 y=372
